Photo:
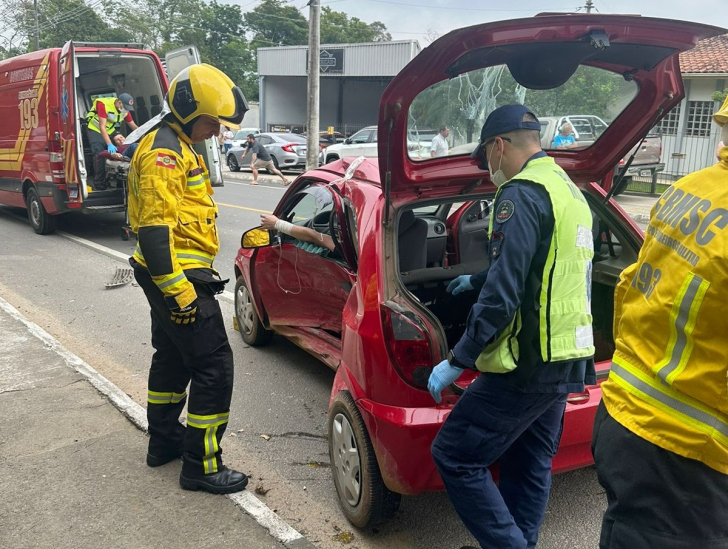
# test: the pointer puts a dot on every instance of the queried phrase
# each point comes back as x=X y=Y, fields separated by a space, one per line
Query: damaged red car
x=375 y=307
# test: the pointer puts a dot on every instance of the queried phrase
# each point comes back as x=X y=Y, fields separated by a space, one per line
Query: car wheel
x=627 y=183
x=40 y=220
x=330 y=159
x=363 y=497
x=233 y=163
x=249 y=325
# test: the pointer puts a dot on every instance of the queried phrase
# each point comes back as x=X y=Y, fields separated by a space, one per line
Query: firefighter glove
x=442 y=375
x=184 y=315
x=111 y=148
x=460 y=284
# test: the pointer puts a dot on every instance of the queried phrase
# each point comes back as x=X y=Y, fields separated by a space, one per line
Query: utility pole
x=589 y=5
x=37 y=30
x=314 y=38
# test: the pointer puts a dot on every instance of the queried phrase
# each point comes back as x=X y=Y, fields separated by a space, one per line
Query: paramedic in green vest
x=529 y=333
x=103 y=120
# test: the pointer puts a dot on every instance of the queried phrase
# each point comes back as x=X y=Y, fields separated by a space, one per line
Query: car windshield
x=573 y=115
x=292 y=137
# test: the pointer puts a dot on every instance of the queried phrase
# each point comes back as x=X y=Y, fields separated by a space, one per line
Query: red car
x=375 y=309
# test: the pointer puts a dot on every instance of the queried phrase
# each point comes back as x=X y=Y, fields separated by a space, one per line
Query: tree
x=273 y=23
x=720 y=96
x=338 y=28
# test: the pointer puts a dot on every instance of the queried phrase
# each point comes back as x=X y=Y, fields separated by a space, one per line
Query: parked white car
x=362 y=143
x=241 y=135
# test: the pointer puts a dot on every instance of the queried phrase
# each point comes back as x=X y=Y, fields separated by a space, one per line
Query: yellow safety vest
x=114 y=118
x=565 y=321
x=669 y=377
x=172 y=211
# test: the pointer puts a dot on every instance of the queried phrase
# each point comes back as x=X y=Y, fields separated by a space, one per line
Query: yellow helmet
x=721 y=116
x=204 y=90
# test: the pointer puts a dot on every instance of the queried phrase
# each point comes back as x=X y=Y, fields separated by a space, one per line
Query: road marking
x=245 y=208
x=263 y=515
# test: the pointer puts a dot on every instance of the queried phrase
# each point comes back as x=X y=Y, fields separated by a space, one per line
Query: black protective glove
x=182 y=315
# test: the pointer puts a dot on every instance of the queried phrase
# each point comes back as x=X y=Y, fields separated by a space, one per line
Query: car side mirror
x=347 y=141
x=255 y=238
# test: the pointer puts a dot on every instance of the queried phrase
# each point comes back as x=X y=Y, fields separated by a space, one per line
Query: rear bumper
x=402 y=438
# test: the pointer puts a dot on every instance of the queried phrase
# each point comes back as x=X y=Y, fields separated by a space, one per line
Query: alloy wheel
x=347 y=463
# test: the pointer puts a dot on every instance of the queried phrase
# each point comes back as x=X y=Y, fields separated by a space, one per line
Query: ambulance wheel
x=363 y=497
x=232 y=163
x=40 y=220
x=249 y=325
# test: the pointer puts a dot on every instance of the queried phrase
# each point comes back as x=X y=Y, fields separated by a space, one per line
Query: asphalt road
x=280 y=391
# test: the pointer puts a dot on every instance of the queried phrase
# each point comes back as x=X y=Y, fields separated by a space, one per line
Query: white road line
x=262 y=514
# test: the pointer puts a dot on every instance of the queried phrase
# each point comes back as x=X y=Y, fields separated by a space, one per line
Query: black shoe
x=226 y=481
x=165 y=457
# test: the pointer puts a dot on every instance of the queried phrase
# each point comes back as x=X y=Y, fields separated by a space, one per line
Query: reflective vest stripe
x=166 y=282
x=155 y=397
x=210 y=424
x=181 y=257
x=673 y=403
x=682 y=323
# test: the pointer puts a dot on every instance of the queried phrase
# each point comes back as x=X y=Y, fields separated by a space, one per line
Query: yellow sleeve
x=160 y=186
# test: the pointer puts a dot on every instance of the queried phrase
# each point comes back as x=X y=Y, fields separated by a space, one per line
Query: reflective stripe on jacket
x=669 y=378
x=172 y=211
x=565 y=321
x=114 y=117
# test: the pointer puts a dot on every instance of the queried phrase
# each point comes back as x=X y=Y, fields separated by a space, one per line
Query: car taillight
x=408 y=344
x=56 y=157
x=288 y=148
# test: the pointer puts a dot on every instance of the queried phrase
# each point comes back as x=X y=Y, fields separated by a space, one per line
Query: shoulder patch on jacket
x=166 y=160
x=505 y=211
x=166 y=138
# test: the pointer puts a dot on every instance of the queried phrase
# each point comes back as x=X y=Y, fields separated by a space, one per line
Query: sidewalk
x=73 y=470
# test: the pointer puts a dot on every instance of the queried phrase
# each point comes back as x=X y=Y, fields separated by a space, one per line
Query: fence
x=347 y=130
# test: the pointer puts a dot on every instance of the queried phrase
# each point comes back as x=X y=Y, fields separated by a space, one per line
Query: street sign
x=331 y=61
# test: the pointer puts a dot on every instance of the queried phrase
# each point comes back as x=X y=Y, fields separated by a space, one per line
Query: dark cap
x=127 y=100
x=505 y=119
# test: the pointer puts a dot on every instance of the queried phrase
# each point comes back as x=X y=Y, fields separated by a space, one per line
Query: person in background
x=529 y=332
x=660 y=439
x=174 y=217
x=260 y=159
x=123 y=151
x=565 y=139
x=107 y=116
x=439 y=145
x=227 y=140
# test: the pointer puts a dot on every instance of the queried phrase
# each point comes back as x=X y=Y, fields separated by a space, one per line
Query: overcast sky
x=411 y=19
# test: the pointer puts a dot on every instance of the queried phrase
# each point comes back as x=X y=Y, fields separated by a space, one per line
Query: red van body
x=45 y=160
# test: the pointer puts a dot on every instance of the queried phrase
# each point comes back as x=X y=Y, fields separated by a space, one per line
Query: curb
x=134 y=412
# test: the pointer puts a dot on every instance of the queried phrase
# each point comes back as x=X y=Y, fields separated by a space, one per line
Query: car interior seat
x=142 y=113
x=412 y=242
x=156 y=105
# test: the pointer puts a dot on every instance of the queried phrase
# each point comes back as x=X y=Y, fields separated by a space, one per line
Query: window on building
x=699 y=118
x=669 y=124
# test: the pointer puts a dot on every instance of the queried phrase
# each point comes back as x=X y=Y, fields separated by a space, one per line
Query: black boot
x=160 y=458
x=226 y=481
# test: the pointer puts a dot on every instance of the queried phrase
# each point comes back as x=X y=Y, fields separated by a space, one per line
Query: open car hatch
x=621 y=69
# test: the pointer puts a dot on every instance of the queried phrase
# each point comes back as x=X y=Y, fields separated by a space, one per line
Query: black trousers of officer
x=197 y=354
x=98 y=145
x=656 y=499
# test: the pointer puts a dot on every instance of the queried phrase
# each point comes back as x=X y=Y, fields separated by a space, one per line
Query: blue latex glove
x=111 y=148
x=460 y=284
x=442 y=375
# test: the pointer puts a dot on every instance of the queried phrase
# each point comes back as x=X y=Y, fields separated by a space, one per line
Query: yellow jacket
x=668 y=382
x=171 y=211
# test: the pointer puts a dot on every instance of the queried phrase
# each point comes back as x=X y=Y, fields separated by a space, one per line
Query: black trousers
x=656 y=499
x=198 y=355
x=97 y=144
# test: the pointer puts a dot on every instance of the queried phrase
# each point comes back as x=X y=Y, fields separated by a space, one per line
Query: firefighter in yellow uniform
x=173 y=215
x=661 y=432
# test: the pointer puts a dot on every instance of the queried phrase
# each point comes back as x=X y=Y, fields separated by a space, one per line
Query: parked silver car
x=287 y=150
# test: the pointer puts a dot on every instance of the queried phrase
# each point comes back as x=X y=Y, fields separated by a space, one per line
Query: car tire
x=363 y=497
x=232 y=163
x=40 y=220
x=330 y=159
x=627 y=182
x=249 y=325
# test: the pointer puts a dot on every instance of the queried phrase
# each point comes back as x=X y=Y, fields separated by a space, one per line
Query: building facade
x=353 y=77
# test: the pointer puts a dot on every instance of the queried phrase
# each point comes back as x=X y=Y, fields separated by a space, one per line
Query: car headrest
x=406 y=220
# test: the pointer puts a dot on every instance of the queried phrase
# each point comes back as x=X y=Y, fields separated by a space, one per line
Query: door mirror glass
x=255 y=238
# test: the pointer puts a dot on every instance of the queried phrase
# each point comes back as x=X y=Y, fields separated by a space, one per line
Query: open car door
x=176 y=61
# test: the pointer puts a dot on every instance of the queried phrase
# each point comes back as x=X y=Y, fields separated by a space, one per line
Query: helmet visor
x=241 y=107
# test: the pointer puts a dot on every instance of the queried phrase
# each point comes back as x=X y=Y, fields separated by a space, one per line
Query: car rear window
x=292 y=137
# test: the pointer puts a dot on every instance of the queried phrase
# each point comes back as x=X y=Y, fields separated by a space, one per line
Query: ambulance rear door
x=71 y=138
x=176 y=61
